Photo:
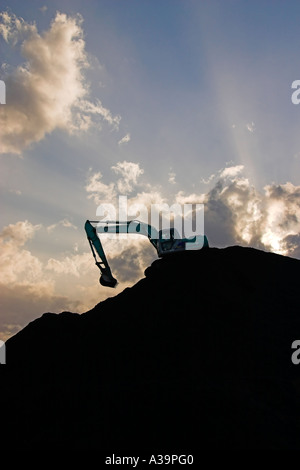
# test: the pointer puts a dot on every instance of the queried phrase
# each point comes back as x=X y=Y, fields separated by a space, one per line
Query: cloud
x=129 y=172
x=21 y=276
x=16 y=263
x=20 y=305
x=18 y=234
x=292 y=245
x=13 y=28
x=250 y=127
x=76 y=265
x=124 y=139
x=172 y=177
x=83 y=120
x=48 y=91
x=30 y=286
x=208 y=180
x=231 y=171
x=62 y=223
x=232 y=211
x=235 y=213
x=282 y=218
x=100 y=191
x=144 y=199
x=129 y=257
x=193 y=198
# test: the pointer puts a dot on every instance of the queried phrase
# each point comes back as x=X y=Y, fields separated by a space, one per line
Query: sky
x=180 y=101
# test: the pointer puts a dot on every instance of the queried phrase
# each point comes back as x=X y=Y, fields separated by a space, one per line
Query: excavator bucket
x=107 y=279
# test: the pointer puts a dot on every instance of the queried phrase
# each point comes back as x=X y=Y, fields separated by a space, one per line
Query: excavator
x=165 y=241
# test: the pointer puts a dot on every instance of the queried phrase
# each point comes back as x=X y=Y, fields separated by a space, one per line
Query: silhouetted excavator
x=165 y=241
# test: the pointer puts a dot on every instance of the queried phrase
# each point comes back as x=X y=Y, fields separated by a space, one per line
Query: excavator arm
x=133 y=226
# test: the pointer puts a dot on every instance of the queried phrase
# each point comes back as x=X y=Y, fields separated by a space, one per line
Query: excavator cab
x=165 y=241
x=169 y=241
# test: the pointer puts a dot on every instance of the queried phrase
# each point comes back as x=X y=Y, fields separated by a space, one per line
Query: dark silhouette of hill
x=197 y=355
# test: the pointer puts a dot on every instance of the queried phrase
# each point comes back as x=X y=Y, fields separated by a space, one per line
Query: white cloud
x=76 y=265
x=193 y=198
x=235 y=212
x=16 y=263
x=129 y=260
x=231 y=171
x=30 y=286
x=49 y=90
x=172 y=177
x=13 y=28
x=100 y=191
x=147 y=198
x=125 y=139
x=282 y=220
x=130 y=172
x=208 y=180
x=18 y=234
x=250 y=127
x=83 y=119
x=62 y=223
